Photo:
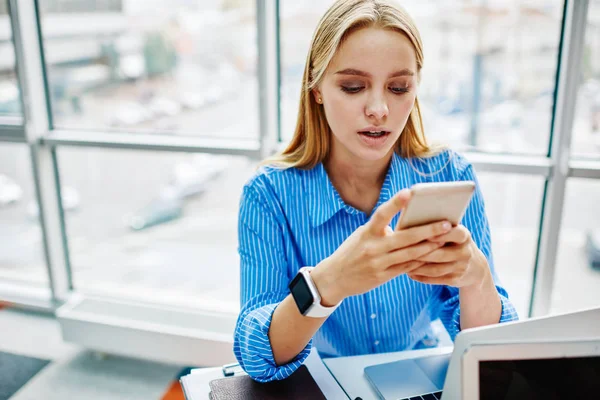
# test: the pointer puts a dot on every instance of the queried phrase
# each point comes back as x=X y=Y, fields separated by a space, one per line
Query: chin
x=374 y=155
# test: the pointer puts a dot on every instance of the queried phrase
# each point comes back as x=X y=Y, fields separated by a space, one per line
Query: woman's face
x=368 y=92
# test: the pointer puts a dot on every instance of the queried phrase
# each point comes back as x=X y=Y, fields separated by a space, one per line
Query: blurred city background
x=163 y=225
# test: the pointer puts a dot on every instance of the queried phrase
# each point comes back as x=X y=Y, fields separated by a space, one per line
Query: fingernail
x=446 y=226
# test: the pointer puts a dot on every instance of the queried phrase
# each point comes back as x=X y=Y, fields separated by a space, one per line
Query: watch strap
x=316 y=310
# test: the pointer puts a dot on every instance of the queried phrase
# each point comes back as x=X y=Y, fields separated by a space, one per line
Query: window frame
x=43 y=140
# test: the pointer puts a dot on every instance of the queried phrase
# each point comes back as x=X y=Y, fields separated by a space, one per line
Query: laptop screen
x=557 y=378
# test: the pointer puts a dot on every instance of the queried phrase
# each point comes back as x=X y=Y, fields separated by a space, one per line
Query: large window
x=298 y=21
x=586 y=130
x=489 y=73
x=151 y=220
x=10 y=100
x=577 y=275
x=156 y=226
x=514 y=218
x=577 y=278
x=21 y=256
x=160 y=66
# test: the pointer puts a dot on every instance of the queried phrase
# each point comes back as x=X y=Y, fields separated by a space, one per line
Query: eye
x=399 y=89
x=352 y=89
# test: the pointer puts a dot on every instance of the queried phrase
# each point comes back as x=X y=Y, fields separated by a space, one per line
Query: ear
x=317 y=95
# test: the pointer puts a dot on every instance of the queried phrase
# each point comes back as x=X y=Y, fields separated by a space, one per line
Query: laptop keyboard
x=428 y=396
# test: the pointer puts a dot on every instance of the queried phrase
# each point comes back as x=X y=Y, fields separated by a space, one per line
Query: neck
x=364 y=174
x=358 y=182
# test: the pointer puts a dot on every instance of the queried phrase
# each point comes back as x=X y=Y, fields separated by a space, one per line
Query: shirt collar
x=325 y=201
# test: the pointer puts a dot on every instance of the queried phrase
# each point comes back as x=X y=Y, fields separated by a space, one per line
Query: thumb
x=384 y=214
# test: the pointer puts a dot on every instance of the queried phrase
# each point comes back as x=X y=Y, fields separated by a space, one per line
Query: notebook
x=299 y=385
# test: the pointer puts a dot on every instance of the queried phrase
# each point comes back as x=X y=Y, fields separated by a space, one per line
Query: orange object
x=174 y=392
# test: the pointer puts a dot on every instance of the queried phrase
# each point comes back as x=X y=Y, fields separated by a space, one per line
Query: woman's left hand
x=459 y=263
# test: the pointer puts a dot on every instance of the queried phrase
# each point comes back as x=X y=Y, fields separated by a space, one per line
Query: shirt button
x=373 y=316
x=376 y=342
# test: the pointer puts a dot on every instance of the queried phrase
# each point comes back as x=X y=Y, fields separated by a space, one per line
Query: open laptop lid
x=524 y=371
x=582 y=325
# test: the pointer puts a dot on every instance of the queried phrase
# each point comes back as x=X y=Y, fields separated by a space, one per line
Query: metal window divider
x=35 y=97
x=571 y=52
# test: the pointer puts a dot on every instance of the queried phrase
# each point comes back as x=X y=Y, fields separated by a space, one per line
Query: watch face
x=301 y=293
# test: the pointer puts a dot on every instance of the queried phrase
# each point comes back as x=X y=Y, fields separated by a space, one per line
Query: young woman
x=330 y=200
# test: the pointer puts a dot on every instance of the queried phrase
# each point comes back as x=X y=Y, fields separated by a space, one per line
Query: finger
x=411 y=236
x=435 y=270
x=414 y=252
x=446 y=254
x=403 y=268
x=458 y=234
x=444 y=280
x=384 y=214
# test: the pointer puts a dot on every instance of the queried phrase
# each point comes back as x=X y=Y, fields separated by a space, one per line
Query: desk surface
x=329 y=374
x=349 y=371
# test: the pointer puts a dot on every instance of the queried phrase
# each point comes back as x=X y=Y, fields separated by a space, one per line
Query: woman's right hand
x=374 y=254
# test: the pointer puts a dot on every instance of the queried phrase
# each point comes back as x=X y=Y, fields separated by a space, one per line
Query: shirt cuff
x=509 y=313
x=253 y=350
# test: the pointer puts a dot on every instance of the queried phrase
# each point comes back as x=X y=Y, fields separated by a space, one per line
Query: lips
x=374 y=131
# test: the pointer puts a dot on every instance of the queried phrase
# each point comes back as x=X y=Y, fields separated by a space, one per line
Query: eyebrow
x=352 y=71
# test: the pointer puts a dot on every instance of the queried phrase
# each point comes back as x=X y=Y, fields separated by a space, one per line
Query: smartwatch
x=307 y=298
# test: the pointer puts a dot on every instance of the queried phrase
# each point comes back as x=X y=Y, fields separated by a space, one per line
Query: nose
x=376 y=107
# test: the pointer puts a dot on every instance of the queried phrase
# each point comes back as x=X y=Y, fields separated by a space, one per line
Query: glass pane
x=10 y=98
x=514 y=216
x=297 y=22
x=489 y=74
x=21 y=246
x=586 y=128
x=179 y=66
x=577 y=276
x=158 y=226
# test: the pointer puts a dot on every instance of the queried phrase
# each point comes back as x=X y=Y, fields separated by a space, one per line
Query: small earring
x=320 y=100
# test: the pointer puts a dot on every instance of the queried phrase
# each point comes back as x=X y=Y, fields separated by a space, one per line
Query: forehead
x=375 y=49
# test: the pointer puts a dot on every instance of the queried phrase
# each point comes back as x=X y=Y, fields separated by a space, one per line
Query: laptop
x=408 y=378
x=432 y=377
x=534 y=370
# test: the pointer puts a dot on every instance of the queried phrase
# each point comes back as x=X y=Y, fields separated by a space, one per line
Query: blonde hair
x=311 y=141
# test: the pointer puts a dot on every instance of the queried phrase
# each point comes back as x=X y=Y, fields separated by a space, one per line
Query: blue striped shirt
x=290 y=218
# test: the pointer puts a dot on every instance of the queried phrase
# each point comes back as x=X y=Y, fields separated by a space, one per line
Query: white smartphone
x=436 y=201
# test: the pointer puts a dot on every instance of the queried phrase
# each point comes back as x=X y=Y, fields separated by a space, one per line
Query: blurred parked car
x=70 y=202
x=214 y=94
x=10 y=192
x=592 y=247
x=193 y=100
x=191 y=178
x=166 y=207
x=162 y=106
x=129 y=114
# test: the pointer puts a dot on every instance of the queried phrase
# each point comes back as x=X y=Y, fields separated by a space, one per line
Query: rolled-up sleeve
x=475 y=220
x=264 y=284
